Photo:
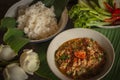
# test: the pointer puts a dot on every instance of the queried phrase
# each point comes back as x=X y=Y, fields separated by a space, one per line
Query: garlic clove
x=6 y=53
x=29 y=61
x=14 y=72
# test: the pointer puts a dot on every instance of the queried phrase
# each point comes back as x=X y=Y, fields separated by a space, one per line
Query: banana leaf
x=14 y=37
x=112 y=34
x=7 y=22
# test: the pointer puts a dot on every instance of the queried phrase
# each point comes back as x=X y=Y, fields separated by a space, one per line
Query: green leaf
x=14 y=38
x=8 y=22
x=48 y=3
x=59 y=6
x=13 y=32
x=44 y=70
x=112 y=34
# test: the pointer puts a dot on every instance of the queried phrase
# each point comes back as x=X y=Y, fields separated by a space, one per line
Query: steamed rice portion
x=38 y=21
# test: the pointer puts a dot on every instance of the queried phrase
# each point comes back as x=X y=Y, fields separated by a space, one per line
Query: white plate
x=116 y=26
x=78 y=33
x=11 y=12
x=62 y=23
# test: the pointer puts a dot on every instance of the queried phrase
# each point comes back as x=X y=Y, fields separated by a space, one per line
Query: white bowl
x=62 y=23
x=79 y=33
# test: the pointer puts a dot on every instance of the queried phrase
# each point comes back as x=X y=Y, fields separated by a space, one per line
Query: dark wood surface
x=4 y=6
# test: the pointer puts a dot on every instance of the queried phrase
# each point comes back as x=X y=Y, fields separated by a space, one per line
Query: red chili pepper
x=112 y=19
x=115 y=13
x=109 y=8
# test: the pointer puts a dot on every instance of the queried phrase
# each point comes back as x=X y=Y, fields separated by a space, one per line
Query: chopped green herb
x=64 y=57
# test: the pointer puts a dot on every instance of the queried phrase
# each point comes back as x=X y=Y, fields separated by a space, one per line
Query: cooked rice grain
x=38 y=21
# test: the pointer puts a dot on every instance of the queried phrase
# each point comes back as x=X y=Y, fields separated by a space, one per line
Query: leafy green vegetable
x=87 y=15
x=101 y=3
x=84 y=3
x=99 y=10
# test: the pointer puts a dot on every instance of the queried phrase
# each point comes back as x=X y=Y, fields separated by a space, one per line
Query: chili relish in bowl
x=80 y=54
x=80 y=58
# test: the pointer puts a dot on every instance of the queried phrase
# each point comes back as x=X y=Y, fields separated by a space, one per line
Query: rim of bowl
x=103 y=74
x=108 y=26
x=11 y=12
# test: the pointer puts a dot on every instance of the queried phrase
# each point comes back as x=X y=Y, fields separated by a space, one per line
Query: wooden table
x=4 y=5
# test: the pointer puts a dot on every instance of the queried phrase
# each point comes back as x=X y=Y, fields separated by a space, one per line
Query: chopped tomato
x=80 y=54
x=75 y=59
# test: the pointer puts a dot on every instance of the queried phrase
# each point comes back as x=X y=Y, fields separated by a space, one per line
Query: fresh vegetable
x=115 y=13
x=87 y=14
x=29 y=61
x=6 y=53
x=101 y=3
x=108 y=7
x=14 y=72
